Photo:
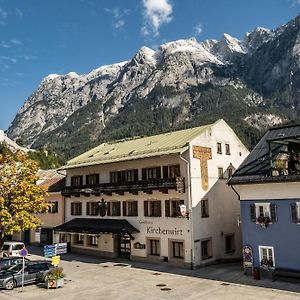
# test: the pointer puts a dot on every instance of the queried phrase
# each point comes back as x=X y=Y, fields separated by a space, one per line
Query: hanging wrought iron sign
x=102 y=207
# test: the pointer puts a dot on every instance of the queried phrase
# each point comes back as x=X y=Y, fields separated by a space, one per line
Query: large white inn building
x=161 y=198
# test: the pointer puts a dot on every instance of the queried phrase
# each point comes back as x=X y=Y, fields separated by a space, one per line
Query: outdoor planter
x=263 y=221
x=55 y=278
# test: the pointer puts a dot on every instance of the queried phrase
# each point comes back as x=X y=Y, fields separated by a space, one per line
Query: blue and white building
x=268 y=185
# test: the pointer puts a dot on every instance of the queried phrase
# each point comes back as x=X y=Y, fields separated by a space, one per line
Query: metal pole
x=23 y=272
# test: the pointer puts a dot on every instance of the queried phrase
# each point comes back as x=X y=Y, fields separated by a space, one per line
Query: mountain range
x=252 y=83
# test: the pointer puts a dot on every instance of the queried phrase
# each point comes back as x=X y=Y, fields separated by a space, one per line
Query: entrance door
x=124 y=246
x=46 y=236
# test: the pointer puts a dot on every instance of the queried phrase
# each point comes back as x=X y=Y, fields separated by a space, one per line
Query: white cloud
x=19 y=13
x=156 y=13
x=4 y=45
x=198 y=29
x=15 y=42
x=3 y=16
x=118 y=16
x=7 y=58
x=29 y=57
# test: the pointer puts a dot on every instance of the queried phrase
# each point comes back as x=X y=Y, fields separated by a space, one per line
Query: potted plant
x=263 y=221
x=266 y=264
x=55 y=278
x=280 y=166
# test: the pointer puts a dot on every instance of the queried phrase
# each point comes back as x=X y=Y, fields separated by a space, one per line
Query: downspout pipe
x=190 y=207
x=239 y=197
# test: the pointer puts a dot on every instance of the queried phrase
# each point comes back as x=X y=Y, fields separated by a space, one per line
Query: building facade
x=268 y=184
x=158 y=198
x=54 y=182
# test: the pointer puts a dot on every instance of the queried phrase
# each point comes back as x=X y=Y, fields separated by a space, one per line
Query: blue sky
x=38 y=38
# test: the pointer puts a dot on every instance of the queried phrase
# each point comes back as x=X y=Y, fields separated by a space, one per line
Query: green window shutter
x=294 y=215
x=167 y=208
x=165 y=172
x=124 y=208
x=109 y=208
x=88 y=208
x=252 y=213
x=158 y=172
x=273 y=209
x=146 y=208
x=144 y=174
x=159 y=208
x=136 y=175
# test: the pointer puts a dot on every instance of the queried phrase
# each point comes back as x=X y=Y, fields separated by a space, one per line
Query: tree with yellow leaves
x=20 y=197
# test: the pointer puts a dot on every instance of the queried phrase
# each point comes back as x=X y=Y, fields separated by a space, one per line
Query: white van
x=11 y=248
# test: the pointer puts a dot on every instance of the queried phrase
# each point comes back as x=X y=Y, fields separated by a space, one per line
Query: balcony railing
x=147 y=186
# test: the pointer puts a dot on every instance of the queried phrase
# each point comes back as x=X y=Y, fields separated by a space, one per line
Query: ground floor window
x=266 y=257
x=78 y=239
x=206 y=249
x=114 y=208
x=177 y=249
x=154 y=246
x=92 y=240
x=64 y=238
x=229 y=243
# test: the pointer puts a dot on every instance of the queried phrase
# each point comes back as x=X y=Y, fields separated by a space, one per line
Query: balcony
x=146 y=186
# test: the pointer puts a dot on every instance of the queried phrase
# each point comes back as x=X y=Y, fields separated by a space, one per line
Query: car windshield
x=18 y=247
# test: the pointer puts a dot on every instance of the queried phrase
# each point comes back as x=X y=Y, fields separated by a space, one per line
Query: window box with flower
x=263 y=221
x=267 y=264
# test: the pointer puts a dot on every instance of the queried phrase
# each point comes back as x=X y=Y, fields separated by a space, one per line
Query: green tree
x=20 y=197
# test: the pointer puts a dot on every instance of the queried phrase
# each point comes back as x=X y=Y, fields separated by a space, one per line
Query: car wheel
x=10 y=284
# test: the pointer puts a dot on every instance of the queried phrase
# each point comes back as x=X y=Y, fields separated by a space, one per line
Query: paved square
x=94 y=278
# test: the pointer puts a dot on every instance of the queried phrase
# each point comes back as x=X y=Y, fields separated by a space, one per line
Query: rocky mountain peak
x=256 y=38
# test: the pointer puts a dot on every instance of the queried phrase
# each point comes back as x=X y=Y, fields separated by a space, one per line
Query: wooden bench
x=287 y=273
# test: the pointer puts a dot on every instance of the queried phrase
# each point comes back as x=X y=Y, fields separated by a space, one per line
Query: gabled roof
x=51 y=179
x=257 y=166
x=136 y=148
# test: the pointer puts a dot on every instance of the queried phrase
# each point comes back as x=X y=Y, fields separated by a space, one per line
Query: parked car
x=8 y=262
x=34 y=271
x=12 y=248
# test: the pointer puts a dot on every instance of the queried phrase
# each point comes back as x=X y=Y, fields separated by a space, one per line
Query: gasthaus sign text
x=163 y=231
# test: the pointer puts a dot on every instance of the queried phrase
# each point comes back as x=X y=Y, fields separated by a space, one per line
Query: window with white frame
x=295 y=212
x=92 y=240
x=262 y=210
x=266 y=257
x=263 y=213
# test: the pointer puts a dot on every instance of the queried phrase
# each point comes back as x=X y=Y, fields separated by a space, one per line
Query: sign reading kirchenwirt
x=163 y=231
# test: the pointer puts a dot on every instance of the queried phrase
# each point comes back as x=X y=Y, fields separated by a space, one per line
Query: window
x=266 y=257
x=92 y=208
x=230 y=171
x=92 y=240
x=78 y=239
x=53 y=208
x=124 y=176
x=227 y=149
x=76 y=208
x=204 y=208
x=92 y=179
x=177 y=249
x=229 y=243
x=263 y=213
x=76 y=180
x=152 y=208
x=64 y=238
x=114 y=208
x=220 y=173
x=295 y=212
x=151 y=173
x=219 y=148
x=154 y=247
x=172 y=208
x=206 y=249
x=130 y=208
x=174 y=171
